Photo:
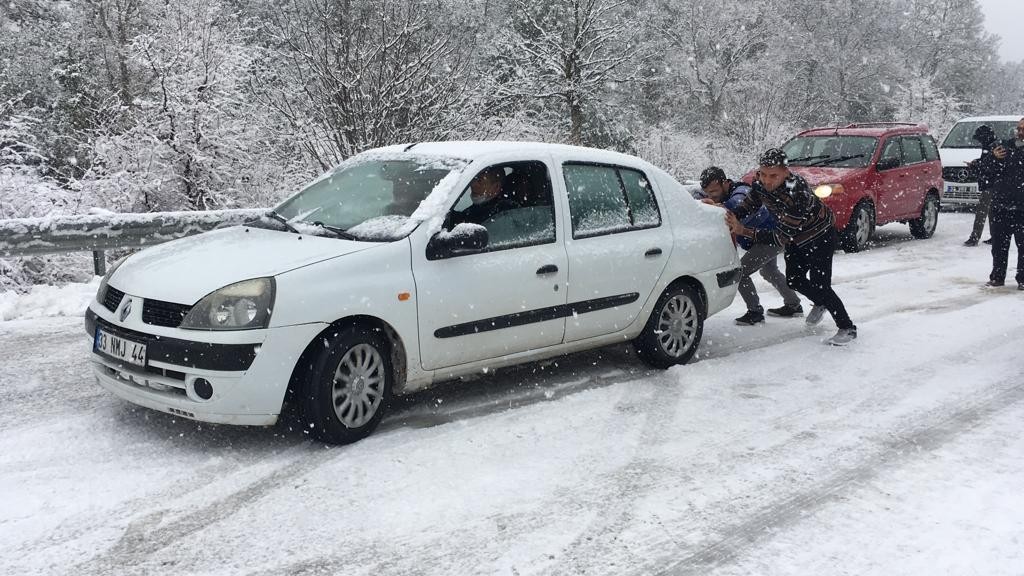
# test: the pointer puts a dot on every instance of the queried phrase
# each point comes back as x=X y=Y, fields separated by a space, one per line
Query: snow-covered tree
x=355 y=74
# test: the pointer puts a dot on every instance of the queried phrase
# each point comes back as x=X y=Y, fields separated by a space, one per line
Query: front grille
x=168 y=314
x=958 y=174
x=961 y=193
x=112 y=299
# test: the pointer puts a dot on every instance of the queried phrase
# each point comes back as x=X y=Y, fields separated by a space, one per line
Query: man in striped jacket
x=804 y=227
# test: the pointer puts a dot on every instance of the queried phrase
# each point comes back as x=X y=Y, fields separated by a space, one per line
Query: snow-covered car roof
x=473 y=149
x=1004 y=118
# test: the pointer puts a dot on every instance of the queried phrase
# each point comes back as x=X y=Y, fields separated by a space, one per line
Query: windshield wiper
x=836 y=159
x=273 y=214
x=806 y=158
x=339 y=232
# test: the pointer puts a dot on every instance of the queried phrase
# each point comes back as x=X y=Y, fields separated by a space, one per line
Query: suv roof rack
x=879 y=124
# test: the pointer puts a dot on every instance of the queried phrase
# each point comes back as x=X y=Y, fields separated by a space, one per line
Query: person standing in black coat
x=1006 y=172
x=987 y=138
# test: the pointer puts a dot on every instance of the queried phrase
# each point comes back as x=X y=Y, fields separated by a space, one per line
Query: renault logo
x=126 y=309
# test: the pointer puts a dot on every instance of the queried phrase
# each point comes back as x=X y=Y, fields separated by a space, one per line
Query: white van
x=959 y=187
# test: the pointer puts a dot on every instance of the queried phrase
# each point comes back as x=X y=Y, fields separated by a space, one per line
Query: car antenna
x=409 y=147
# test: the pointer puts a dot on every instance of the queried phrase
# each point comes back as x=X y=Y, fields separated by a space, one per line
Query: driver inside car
x=488 y=197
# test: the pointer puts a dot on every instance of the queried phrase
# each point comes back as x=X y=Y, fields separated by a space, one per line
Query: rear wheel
x=674 y=329
x=857 y=233
x=924 y=226
x=349 y=386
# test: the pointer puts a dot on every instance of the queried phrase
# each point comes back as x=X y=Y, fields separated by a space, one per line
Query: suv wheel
x=924 y=226
x=855 y=236
x=349 y=386
x=674 y=329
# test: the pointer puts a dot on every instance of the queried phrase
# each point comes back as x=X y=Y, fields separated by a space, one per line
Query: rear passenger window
x=912 y=152
x=640 y=198
x=609 y=199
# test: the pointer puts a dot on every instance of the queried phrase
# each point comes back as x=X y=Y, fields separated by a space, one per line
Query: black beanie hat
x=711 y=174
x=773 y=157
x=984 y=134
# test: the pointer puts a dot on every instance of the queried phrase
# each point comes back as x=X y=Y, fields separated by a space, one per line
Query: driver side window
x=513 y=201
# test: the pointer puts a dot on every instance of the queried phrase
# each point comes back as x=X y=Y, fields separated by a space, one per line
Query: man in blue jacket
x=764 y=257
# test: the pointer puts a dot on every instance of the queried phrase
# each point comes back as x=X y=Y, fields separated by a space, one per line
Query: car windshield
x=833 y=151
x=374 y=198
x=961 y=136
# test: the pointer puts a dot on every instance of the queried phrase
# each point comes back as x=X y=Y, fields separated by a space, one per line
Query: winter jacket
x=759 y=220
x=800 y=216
x=1006 y=176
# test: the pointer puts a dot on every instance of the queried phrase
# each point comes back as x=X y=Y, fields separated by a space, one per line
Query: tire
x=674 y=330
x=858 y=231
x=349 y=387
x=924 y=226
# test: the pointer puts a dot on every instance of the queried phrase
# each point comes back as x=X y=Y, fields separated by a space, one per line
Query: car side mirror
x=464 y=239
x=888 y=163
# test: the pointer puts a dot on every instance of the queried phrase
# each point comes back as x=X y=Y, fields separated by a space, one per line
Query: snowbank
x=43 y=301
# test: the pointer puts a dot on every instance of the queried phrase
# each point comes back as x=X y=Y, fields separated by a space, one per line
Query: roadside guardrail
x=97 y=233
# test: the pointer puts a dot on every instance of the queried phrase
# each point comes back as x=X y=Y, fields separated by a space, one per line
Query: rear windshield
x=961 y=134
x=832 y=150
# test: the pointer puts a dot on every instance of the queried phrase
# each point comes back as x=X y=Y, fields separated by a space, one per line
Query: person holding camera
x=1005 y=170
x=987 y=138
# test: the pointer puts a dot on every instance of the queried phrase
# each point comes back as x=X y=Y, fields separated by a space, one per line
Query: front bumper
x=960 y=193
x=249 y=378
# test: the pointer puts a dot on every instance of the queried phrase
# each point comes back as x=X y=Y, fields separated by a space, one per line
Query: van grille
x=958 y=174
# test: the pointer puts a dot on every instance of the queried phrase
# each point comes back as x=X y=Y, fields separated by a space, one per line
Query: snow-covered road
x=771 y=454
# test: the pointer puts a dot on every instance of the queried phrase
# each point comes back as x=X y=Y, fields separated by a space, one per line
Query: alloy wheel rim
x=863 y=227
x=677 y=326
x=931 y=216
x=358 y=386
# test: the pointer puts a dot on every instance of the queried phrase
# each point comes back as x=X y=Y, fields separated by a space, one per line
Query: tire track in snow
x=932 y=433
x=643 y=479
x=162 y=528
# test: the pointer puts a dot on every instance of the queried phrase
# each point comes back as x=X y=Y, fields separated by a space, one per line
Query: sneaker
x=994 y=283
x=989 y=241
x=843 y=337
x=815 y=315
x=1020 y=285
x=750 y=318
x=787 y=311
x=971 y=242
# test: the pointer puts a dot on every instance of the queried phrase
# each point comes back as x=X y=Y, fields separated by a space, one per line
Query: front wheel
x=855 y=236
x=349 y=386
x=674 y=329
x=924 y=226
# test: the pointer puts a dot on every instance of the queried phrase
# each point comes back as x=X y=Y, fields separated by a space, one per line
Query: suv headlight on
x=241 y=306
x=826 y=190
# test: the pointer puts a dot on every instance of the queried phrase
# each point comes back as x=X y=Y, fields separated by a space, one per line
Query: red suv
x=871 y=174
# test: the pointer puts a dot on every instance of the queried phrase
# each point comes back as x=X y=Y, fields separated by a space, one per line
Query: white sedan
x=409 y=265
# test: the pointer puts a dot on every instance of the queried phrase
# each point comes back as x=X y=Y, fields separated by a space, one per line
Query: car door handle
x=548 y=269
x=653 y=252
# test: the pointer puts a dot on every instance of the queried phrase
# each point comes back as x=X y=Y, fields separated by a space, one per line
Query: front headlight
x=242 y=306
x=826 y=190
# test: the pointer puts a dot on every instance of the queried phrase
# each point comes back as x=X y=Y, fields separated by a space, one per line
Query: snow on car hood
x=185 y=270
x=821 y=175
x=958 y=157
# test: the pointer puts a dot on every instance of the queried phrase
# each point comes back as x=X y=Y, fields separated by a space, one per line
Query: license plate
x=120 y=348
